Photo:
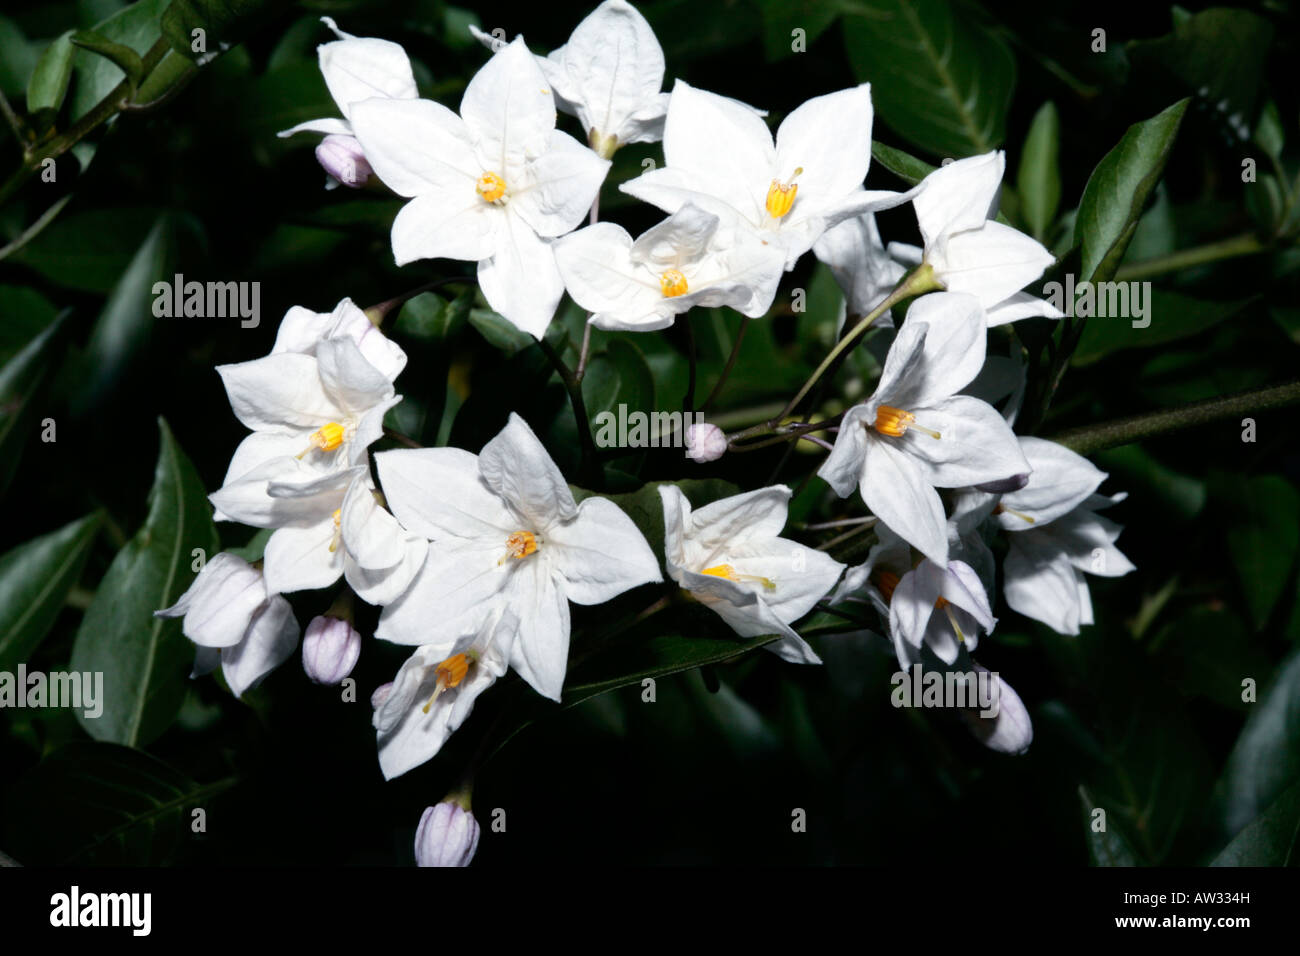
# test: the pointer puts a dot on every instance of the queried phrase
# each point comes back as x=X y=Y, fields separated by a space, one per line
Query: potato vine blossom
x=355 y=69
x=720 y=155
x=862 y=268
x=491 y=185
x=916 y=434
x=684 y=262
x=729 y=555
x=236 y=621
x=506 y=534
x=967 y=249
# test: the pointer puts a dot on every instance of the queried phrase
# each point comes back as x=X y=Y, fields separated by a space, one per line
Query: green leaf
x=1262 y=518
x=1270 y=134
x=903 y=165
x=124 y=325
x=134 y=27
x=432 y=318
x=88 y=251
x=144 y=658
x=20 y=379
x=782 y=17
x=1118 y=189
x=49 y=82
x=618 y=375
x=223 y=23
x=1108 y=847
x=122 y=56
x=1039 y=179
x=1172 y=316
x=18 y=58
x=35 y=577
x=26 y=313
x=101 y=804
x=500 y=332
x=938 y=79
x=1269 y=839
x=1265 y=761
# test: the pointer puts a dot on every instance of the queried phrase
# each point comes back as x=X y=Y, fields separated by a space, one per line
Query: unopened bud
x=705 y=442
x=1005 y=486
x=330 y=649
x=1009 y=731
x=447 y=836
x=380 y=695
x=342 y=157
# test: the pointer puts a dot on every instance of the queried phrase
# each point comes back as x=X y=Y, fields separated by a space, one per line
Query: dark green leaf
x=1039 y=179
x=144 y=659
x=1269 y=839
x=1118 y=189
x=1109 y=846
x=432 y=318
x=222 y=23
x=20 y=380
x=903 y=165
x=1172 y=316
x=781 y=18
x=49 y=82
x=1265 y=761
x=1262 y=518
x=135 y=27
x=120 y=55
x=35 y=577
x=938 y=79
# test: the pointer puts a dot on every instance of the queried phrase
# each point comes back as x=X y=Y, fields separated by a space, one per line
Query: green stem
x=726 y=369
x=589 y=474
x=1092 y=438
x=1243 y=245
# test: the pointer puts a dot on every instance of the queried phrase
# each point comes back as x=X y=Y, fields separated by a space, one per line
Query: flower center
x=326 y=438
x=450 y=673
x=673 y=283
x=519 y=546
x=885 y=582
x=490 y=187
x=894 y=422
x=728 y=572
x=1000 y=510
x=780 y=195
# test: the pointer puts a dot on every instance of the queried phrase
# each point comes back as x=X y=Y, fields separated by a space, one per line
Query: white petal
x=361 y=68
x=541 y=650
x=600 y=553
x=508 y=108
x=842 y=469
x=517 y=467
x=1061 y=481
x=458 y=588
x=596 y=266
x=328 y=126
x=802 y=576
x=385 y=585
x=417 y=147
x=300 y=559
x=895 y=490
x=976 y=444
x=279 y=393
x=352 y=383
x=521 y=280
x=753 y=517
x=559 y=186
x=270 y=641
x=829 y=137
x=959 y=196
x=992 y=263
x=950 y=357
x=1039 y=582
x=1022 y=305
x=438 y=492
x=218 y=606
x=452 y=223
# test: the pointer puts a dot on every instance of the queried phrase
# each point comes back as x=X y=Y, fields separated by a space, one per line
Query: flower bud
x=447 y=836
x=1010 y=731
x=705 y=442
x=342 y=157
x=1005 y=486
x=330 y=649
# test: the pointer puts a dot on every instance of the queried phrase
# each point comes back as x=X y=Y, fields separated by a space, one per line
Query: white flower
x=507 y=534
x=330 y=649
x=864 y=271
x=490 y=185
x=970 y=252
x=355 y=69
x=236 y=622
x=1010 y=731
x=705 y=442
x=683 y=262
x=447 y=835
x=434 y=692
x=730 y=557
x=301 y=330
x=915 y=434
x=720 y=155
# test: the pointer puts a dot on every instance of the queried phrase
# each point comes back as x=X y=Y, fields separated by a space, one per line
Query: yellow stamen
x=673 y=283
x=490 y=186
x=894 y=422
x=952 y=619
x=450 y=673
x=729 y=573
x=1000 y=510
x=338 y=530
x=326 y=438
x=519 y=546
x=781 y=195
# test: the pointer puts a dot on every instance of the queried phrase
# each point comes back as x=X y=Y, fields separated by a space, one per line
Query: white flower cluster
x=475 y=558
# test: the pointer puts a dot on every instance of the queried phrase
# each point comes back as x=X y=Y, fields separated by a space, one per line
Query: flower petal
x=269 y=642
x=364 y=67
x=976 y=444
x=600 y=553
x=279 y=393
x=559 y=186
x=896 y=491
x=508 y=108
x=521 y=280
x=517 y=467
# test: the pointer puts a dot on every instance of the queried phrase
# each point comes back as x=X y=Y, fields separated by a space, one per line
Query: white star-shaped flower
x=491 y=185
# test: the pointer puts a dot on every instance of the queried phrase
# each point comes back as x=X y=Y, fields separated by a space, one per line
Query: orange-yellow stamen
x=729 y=573
x=894 y=422
x=1000 y=510
x=326 y=438
x=885 y=582
x=450 y=673
x=673 y=283
x=490 y=187
x=519 y=546
x=781 y=195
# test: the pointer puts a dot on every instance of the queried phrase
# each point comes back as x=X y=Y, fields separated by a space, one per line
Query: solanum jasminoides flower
x=1010 y=731
x=720 y=155
x=862 y=268
x=435 y=690
x=236 y=622
x=967 y=249
x=355 y=69
x=683 y=262
x=506 y=533
x=301 y=330
x=916 y=434
x=491 y=185
x=330 y=649
x=447 y=835
x=705 y=442
x=729 y=555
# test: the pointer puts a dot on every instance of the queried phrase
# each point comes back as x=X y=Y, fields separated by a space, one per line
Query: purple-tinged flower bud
x=705 y=442
x=330 y=649
x=1009 y=730
x=342 y=157
x=1005 y=486
x=380 y=695
x=447 y=836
